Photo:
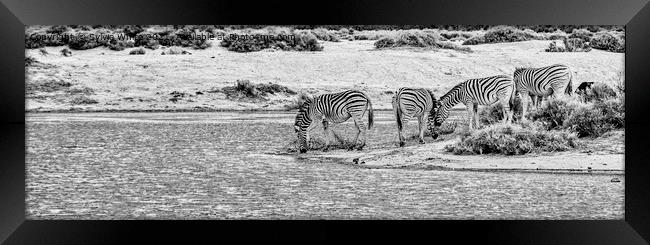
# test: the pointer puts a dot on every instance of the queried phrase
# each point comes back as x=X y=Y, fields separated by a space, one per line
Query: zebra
x=333 y=108
x=414 y=102
x=475 y=92
x=541 y=83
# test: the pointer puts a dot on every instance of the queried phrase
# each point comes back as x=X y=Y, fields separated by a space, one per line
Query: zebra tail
x=569 y=87
x=398 y=111
x=370 y=114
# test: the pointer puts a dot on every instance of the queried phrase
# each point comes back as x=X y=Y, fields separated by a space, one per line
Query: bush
x=277 y=38
x=422 y=39
x=132 y=30
x=137 y=51
x=326 y=35
x=39 y=40
x=512 y=140
x=553 y=114
x=576 y=45
x=66 y=52
x=570 y=45
x=29 y=61
x=597 y=119
x=591 y=119
x=583 y=34
x=174 y=51
x=598 y=92
x=82 y=100
x=50 y=85
x=609 y=42
x=83 y=41
x=244 y=89
x=553 y=47
x=57 y=30
x=502 y=34
x=494 y=113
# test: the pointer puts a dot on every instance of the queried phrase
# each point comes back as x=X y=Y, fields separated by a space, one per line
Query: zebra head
x=301 y=126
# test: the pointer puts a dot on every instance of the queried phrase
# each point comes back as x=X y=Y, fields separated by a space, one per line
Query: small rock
x=199 y=92
x=212 y=57
x=615 y=180
x=532 y=163
x=589 y=168
x=363 y=162
x=355 y=161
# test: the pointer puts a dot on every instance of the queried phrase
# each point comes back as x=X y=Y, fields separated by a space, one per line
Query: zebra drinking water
x=475 y=92
x=542 y=82
x=333 y=108
x=414 y=102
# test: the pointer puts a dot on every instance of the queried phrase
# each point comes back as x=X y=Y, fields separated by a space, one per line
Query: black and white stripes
x=542 y=82
x=334 y=108
x=475 y=92
x=414 y=102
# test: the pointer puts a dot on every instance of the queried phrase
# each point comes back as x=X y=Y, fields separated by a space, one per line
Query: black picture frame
x=15 y=14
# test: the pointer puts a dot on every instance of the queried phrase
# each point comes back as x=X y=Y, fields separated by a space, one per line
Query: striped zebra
x=542 y=82
x=475 y=92
x=414 y=102
x=333 y=108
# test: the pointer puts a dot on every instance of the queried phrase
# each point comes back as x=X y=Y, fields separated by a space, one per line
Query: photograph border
x=15 y=14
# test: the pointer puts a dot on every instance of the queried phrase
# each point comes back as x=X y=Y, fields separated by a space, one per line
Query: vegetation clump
x=503 y=34
x=512 y=140
x=137 y=51
x=245 y=90
x=417 y=38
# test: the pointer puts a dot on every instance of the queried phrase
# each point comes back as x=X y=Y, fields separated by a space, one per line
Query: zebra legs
x=327 y=130
x=358 y=121
x=477 y=124
x=470 y=116
x=421 y=129
x=401 y=134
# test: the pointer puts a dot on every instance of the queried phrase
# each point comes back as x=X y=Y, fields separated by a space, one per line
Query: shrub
x=553 y=47
x=83 y=41
x=512 y=140
x=598 y=92
x=279 y=39
x=494 y=113
x=583 y=34
x=66 y=52
x=597 y=119
x=553 y=114
x=570 y=45
x=446 y=128
x=591 y=119
x=325 y=35
x=502 y=34
x=609 y=42
x=576 y=45
x=82 y=100
x=57 y=29
x=244 y=89
x=174 y=51
x=137 y=51
x=422 y=39
x=132 y=30
x=50 y=85
x=39 y=40
x=29 y=61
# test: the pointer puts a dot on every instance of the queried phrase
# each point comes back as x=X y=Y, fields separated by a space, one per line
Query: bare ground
x=604 y=155
x=105 y=80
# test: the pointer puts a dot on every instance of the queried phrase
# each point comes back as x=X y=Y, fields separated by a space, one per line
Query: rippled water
x=215 y=166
